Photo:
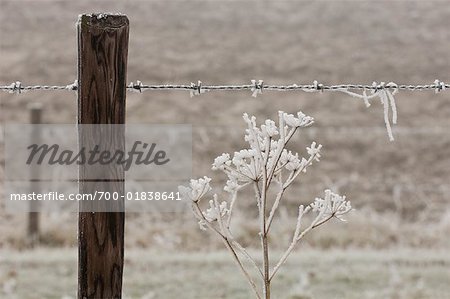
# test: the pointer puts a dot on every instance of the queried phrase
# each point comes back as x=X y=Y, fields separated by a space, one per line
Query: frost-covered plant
x=266 y=165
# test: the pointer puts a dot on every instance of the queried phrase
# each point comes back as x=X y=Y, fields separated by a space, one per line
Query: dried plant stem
x=293 y=175
x=233 y=240
x=264 y=232
x=247 y=255
x=264 y=240
x=241 y=266
x=275 y=206
x=297 y=237
x=198 y=213
x=266 y=267
x=263 y=165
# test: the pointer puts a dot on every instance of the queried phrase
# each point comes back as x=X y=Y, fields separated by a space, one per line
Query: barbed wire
x=18 y=88
x=256 y=87
x=384 y=92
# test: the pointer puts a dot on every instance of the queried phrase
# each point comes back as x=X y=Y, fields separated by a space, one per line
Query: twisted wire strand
x=258 y=87
x=385 y=92
x=255 y=87
x=17 y=87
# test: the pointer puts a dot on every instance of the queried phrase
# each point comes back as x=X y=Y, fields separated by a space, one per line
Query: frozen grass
x=233 y=42
x=351 y=274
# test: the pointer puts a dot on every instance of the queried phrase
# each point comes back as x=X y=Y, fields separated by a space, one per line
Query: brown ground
x=400 y=189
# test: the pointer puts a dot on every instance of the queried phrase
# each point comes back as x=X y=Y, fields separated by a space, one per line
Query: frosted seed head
x=214 y=212
x=231 y=186
x=314 y=151
x=269 y=129
x=196 y=190
x=221 y=161
x=332 y=205
x=301 y=120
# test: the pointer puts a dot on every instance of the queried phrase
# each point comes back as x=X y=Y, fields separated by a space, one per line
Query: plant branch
x=229 y=247
x=297 y=237
x=245 y=253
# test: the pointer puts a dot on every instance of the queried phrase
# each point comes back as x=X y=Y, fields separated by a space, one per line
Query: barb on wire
x=382 y=91
x=196 y=89
x=437 y=86
x=440 y=86
x=18 y=88
x=257 y=88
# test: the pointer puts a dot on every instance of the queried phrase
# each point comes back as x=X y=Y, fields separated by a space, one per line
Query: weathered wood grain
x=102 y=65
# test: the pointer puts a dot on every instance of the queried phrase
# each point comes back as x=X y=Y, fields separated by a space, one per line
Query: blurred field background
x=392 y=243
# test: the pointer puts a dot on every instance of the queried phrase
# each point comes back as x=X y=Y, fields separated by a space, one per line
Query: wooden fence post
x=33 y=234
x=102 y=65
